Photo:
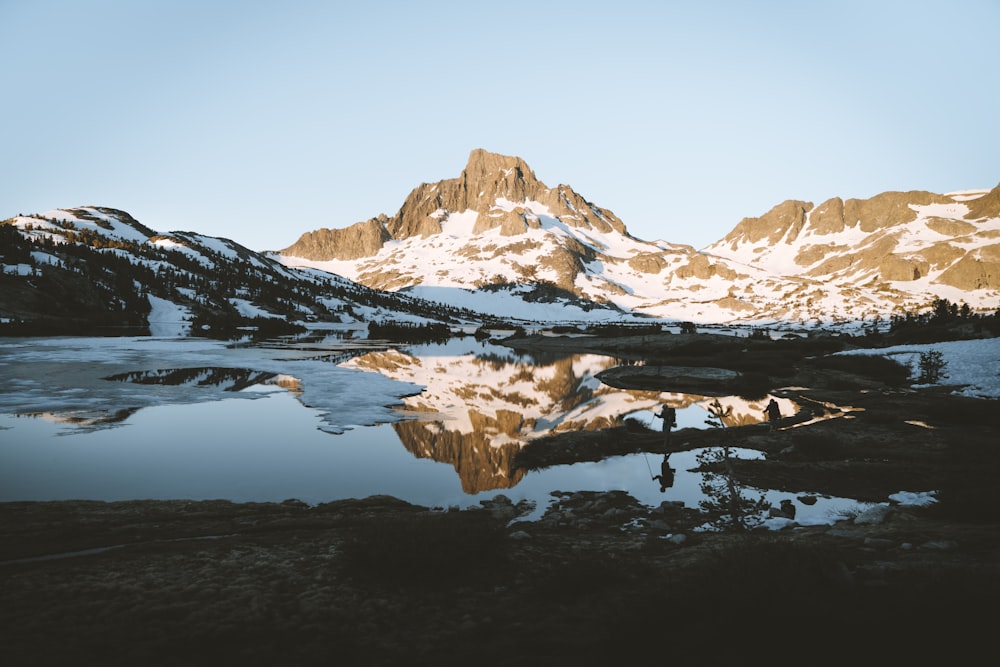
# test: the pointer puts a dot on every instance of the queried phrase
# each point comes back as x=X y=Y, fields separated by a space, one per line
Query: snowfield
x=972 y=367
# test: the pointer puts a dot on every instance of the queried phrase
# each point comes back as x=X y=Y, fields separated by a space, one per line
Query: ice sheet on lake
x=67 y=377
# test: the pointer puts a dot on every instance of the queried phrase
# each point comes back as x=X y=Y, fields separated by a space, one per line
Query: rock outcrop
x=495 y=187
x=361 y=239
x=902 y=242
x=987 y=206
x=784 y=221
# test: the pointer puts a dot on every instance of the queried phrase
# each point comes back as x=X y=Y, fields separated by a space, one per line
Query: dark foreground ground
x=598 y=580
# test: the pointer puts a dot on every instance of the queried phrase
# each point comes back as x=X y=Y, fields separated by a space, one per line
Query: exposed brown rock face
x=975 y=270
x=810 y=254
x=948 y=227
x=832 y=264
x=487 y=178
x=873 y=253
x=361 y=239
x=863 y=251
x=941 y=254
x=701 y=267
x=887 y=209
x=648 y=262
x=828 y=218
x=894 y=267
x=987 y=206
x=566 y=263
x=784 y=221
x=734 y=304
x=892 y=237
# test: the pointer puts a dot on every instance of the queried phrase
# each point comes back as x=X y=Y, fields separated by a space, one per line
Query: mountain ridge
x=496 y=243
x=894 y=237
x=497 y=228
x=93 y=269
x=487 y=178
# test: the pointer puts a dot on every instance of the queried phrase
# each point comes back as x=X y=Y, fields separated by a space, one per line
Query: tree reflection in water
x=726 y=502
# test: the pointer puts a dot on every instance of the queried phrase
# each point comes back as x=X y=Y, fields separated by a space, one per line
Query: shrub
x=931 y=367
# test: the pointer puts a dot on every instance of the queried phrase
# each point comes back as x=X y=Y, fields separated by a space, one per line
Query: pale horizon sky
x=259 y=121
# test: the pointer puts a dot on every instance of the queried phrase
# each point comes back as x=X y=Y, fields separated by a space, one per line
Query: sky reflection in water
x=272 y=448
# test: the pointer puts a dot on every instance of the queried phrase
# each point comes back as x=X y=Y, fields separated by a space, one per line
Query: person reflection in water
x=666 y=475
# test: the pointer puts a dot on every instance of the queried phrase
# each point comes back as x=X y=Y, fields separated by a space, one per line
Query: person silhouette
x=669 y=417
x=773 y=413
x=666 y=475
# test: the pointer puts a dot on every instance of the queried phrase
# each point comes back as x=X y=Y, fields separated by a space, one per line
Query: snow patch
x=168 y=319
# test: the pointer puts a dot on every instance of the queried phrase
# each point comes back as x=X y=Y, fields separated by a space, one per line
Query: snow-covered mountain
x=77 y=270
x=499 y=240
x=867 y=257
x=496 y=242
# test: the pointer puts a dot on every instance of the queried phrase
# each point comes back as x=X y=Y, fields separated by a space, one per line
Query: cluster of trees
x=944 y=321
x=410 y=333
x=71 y=292
x=625 y=329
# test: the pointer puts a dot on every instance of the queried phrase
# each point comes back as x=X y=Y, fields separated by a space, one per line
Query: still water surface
x=436 y=425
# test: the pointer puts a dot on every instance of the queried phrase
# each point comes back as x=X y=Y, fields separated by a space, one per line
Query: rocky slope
x=908 y=242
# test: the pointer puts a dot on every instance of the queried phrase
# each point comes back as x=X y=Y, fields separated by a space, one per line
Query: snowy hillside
x=890 y=253
x=74 y=270
x=497 y=243
x=499 y=238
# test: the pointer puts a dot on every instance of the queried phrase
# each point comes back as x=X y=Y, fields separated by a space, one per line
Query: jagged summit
x=494 y=191
x=507 y=174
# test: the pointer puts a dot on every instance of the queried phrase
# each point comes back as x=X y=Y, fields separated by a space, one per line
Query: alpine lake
x=331 y=499
x=331 y=416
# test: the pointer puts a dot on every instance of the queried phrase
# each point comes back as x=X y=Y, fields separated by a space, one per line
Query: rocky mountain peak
x=491 y=176
x=501 y=191
x=486 y=168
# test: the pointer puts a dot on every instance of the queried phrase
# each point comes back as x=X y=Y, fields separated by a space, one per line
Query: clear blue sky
x=259 y=121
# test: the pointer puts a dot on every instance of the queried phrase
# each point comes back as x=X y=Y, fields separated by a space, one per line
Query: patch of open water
x=436 y=425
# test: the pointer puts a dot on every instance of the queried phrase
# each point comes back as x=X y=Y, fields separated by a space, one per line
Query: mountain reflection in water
x=228 y=379
x=319 y=420
x=482 y=403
